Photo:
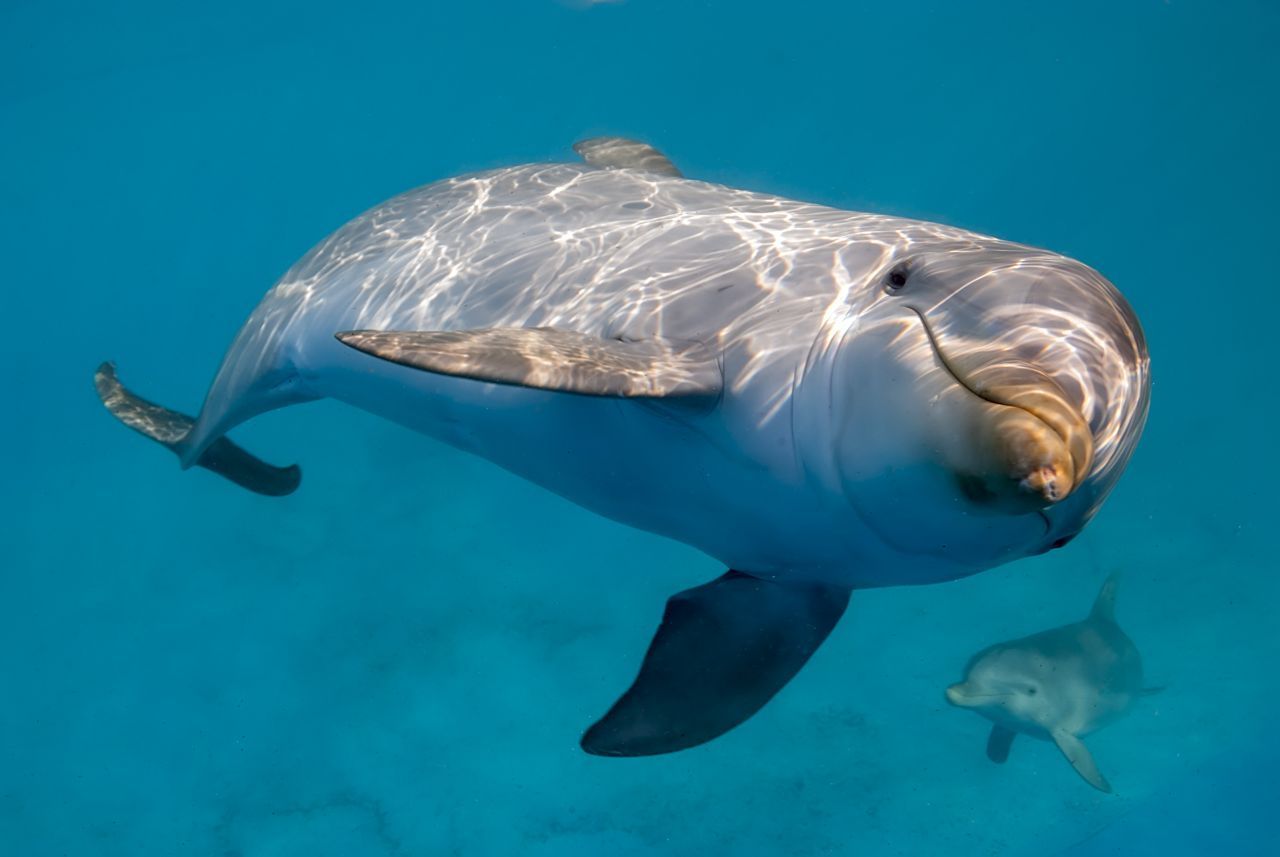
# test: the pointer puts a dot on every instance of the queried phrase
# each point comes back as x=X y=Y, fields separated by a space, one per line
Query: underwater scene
x=639 y=427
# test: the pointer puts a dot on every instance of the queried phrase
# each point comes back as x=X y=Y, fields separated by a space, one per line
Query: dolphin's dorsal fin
x=548 y=359
x=1104 y=606
x=619 y=153
x=1080 y=758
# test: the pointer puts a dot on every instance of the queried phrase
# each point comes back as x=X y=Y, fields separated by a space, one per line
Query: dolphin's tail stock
x=171 y=429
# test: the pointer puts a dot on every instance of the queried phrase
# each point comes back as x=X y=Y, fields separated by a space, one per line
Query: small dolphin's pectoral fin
x=722 y=651
x=1080 y=758
x=1104 y=606
x=999 y=742
x=619 y=153
x=169 y=428
x=549 y=359
x=1151 y=691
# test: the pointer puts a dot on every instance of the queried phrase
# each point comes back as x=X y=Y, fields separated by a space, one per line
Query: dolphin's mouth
x=961 y=698
x=1027 y=430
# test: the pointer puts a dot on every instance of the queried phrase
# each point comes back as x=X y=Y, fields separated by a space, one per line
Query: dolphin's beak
x=1017 y=441
x=962 y=696
x=1037 y=436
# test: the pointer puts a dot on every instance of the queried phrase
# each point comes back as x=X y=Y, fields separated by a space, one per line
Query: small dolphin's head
x=1009 y=686
x=986 y=398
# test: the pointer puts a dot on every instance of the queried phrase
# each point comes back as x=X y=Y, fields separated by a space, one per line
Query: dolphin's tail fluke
x=173 y=430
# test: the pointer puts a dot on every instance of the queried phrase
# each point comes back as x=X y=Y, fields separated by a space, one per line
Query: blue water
x=399 y=658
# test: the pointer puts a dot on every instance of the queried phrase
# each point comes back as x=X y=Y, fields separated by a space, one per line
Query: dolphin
x=822 y=400
x=1058 y=685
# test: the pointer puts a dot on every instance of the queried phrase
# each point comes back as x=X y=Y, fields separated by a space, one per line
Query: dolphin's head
x=986 y=397
x=1011 y=686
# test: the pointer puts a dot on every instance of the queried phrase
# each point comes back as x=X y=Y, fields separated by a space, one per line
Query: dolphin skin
x=820 y=399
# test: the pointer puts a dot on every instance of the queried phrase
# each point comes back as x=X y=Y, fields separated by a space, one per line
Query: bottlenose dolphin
x=1057 y=685
x=822 y=400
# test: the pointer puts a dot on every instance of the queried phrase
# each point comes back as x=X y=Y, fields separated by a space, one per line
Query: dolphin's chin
x=1015 y=441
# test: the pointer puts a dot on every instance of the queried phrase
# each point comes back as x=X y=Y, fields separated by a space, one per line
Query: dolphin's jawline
x=958 y=376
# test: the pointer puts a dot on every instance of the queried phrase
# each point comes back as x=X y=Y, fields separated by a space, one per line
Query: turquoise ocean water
x=399 y=658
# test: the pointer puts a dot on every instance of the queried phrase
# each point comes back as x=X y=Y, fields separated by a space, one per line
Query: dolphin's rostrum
x=822 y=400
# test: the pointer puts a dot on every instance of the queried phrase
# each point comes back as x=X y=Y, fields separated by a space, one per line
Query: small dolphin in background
x=1058 y=685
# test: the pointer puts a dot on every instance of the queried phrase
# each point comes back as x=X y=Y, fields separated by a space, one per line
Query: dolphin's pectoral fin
x=722 y=651
x=550 y=359
x=1151 y=691
x=1080 y=758
x=169 y=428
x=998 y=744
x=619 y=153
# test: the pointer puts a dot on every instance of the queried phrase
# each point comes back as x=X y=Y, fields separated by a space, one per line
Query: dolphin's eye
x=1031 y=691
x=896 y=279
